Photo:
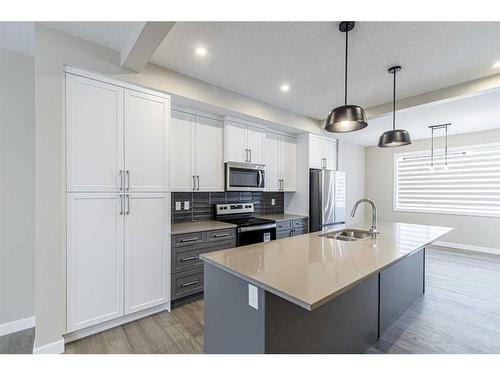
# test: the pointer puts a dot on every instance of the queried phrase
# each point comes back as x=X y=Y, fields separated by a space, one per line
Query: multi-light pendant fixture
x=346 y=118
x=394 y=137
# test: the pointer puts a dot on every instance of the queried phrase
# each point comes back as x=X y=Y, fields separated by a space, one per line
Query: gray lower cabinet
x=290 y=228
x=187 y=268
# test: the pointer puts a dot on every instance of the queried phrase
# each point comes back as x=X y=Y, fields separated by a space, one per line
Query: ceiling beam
x=143 y=43
x=447 y=94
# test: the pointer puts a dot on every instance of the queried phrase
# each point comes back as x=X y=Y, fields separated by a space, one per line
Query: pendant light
x=346 y=118
x=394 y=137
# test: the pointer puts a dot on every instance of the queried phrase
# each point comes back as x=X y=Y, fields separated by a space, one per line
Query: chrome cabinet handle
x=189 y=258
x=121 y=204
x=194 y=182
x=128 y=204
x=259 y=178
x=198 y=179
x=250 y=151
x=190 y=239
x=127 y=172
x=121 y=179
x=246 y=155
x=221 y=235
x=190 y=283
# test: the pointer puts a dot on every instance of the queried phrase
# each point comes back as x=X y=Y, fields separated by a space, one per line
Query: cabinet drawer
x=283 y=225
x=186 y=283
x=299 y=231
x=283 y=234
x=299 y=223
x=221 y=235
x=188 y=239
x=187 y=258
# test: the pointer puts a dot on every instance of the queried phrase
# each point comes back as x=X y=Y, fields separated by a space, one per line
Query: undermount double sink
x=348 y=235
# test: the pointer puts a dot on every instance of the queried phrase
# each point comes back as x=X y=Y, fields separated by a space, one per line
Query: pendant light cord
x=394 y=102
x=346 y=51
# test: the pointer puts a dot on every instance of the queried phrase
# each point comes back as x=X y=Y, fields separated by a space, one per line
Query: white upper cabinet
x=243 y=143
x=272 y=160
x=235 y=142
x=94 y=259
x=147 y=256
x=182 y=166
x=117 y=139
x=209 y=162
x=321 y=153
x=197 y=144
x=288 y=163
x=95 y=135
x=281 y=162
x=146 y=141
x=255 y=144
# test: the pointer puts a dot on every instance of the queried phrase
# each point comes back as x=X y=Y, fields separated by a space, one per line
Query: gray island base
x=348 y=323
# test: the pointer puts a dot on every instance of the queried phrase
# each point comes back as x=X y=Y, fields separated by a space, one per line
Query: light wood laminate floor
x=459 y=313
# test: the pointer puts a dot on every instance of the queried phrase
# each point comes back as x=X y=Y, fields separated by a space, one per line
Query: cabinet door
x=272 y=160
x=94 y=131
x=209 y=161
x=94 y=259
x=147 y=250
x=235 y=143
x=182 y=162
x=288 y=163
x=147 y=132
x=315 y=155
x=328 y=153
x=255 y=143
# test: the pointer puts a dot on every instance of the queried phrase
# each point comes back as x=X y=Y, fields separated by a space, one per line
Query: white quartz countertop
x=199 y=226
x=309 y=270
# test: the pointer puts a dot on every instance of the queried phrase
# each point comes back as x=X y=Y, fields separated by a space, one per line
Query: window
x=469 y=185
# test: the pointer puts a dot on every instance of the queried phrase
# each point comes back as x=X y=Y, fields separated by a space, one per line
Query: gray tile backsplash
x=202 y=204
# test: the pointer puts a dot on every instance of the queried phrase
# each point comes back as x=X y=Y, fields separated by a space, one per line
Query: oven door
x=245 y=177
x=256 y=234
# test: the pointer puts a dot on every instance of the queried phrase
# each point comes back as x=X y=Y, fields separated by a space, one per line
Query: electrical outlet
x=253 y=296
x=273 y=202
x=186 y=205
x=178 y=206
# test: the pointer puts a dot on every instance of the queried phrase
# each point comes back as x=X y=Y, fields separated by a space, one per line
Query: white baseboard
x=17 y=325
x=56 y=347
x=461 y=246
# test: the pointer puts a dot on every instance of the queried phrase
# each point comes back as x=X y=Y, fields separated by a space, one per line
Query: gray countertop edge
x=327 y=298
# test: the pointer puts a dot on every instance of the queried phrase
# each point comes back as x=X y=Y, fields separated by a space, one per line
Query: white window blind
x=470 y=185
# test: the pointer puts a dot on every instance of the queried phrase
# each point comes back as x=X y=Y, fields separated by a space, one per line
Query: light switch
x=253 y=296
x=186 y=205
x=273 y=202
x=178 y=206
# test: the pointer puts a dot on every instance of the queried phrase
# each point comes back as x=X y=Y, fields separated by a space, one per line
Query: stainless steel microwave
x=245 y=177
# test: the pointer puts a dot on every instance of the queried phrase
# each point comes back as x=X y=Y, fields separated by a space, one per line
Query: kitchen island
x=313 y=294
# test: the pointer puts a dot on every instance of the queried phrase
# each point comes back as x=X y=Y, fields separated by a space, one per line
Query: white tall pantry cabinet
x=118 y=200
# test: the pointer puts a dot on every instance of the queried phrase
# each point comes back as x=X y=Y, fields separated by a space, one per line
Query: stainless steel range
x=250 y=229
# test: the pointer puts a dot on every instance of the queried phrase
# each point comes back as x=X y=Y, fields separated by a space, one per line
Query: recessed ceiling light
x=497 y=64
x=200 y=51
x=285 y=87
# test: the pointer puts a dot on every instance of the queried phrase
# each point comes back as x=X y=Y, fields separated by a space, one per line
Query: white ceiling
x=17 y=37
x=467 y=115
x=255 y=58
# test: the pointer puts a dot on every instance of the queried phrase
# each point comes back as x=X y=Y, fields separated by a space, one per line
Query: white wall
x=469 y=230
x=17 y=179
x=352 y=161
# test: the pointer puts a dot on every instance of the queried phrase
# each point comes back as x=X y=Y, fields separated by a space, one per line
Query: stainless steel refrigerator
x=327 y=206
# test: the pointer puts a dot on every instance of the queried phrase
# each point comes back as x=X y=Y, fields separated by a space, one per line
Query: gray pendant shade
x=346 y=118
x=394 y=137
